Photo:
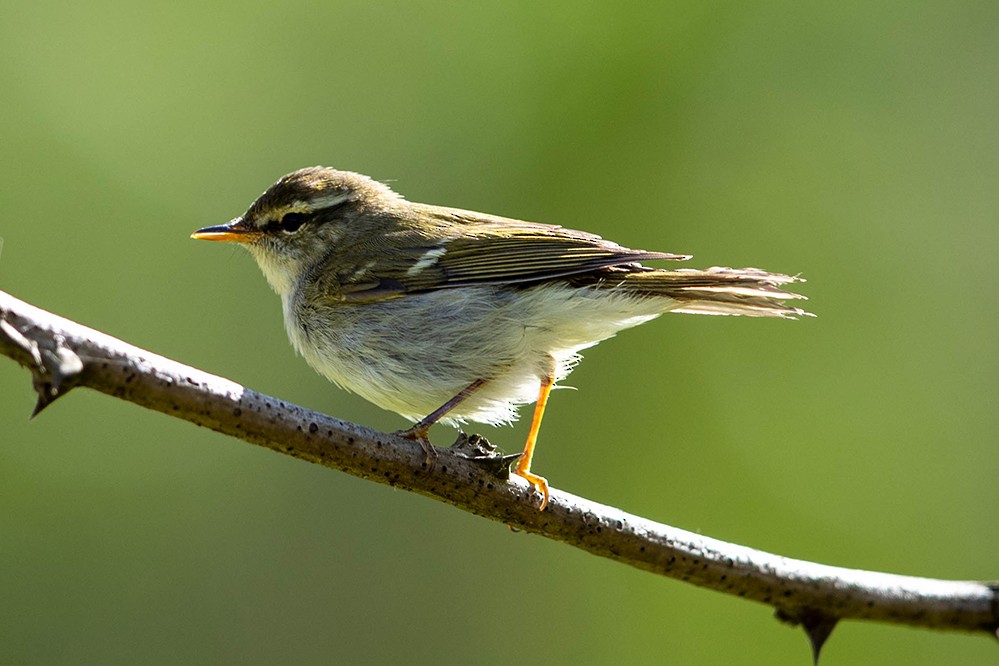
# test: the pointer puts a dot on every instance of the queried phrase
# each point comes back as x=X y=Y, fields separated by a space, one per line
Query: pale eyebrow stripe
x=321 y=203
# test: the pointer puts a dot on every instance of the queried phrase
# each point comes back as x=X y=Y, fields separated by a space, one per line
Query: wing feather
x=475 y=249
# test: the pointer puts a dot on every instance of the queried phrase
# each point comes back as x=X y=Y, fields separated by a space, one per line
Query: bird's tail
x=749 y=292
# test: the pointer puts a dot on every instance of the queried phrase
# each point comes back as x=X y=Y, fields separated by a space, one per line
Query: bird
x=448 y=315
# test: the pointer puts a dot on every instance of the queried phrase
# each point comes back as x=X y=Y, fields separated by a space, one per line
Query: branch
x=474 y=477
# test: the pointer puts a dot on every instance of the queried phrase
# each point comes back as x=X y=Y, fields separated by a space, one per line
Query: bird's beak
x=236 y=231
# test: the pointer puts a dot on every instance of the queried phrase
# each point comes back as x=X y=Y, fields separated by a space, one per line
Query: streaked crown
x=313 y=191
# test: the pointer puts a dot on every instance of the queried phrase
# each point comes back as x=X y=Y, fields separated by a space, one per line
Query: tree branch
x=472 y=476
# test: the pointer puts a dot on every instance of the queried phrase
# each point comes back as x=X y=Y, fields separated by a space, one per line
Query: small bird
x=449 y=315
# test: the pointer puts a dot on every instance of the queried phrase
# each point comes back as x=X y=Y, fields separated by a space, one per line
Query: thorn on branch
x=63 y=368
x=54 y=371
x=481 y=451
x=817 y=624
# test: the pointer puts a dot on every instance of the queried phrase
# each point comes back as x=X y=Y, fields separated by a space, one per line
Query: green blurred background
x=856 y=143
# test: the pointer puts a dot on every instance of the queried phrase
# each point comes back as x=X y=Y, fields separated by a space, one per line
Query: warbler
x=449 y=315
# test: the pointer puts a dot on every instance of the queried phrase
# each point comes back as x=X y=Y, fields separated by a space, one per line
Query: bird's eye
x=291 y=222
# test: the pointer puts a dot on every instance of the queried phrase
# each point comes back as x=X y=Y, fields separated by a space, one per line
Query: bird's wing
x=478 y=249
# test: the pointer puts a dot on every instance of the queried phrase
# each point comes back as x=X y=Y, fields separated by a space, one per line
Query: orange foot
x=540 y=484
x=523 y=467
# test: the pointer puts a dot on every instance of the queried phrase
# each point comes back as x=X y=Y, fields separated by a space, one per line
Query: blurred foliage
x=854 y=142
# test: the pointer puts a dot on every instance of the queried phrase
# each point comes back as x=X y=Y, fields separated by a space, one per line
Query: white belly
x=412 y=354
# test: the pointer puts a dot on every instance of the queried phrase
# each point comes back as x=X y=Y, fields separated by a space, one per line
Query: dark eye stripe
x=291 y=222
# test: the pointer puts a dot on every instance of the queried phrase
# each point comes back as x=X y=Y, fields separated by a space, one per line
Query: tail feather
x=749 y=292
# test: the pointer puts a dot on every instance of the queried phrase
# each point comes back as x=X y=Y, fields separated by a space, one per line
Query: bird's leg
x=523 y=467
x=421 y=429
